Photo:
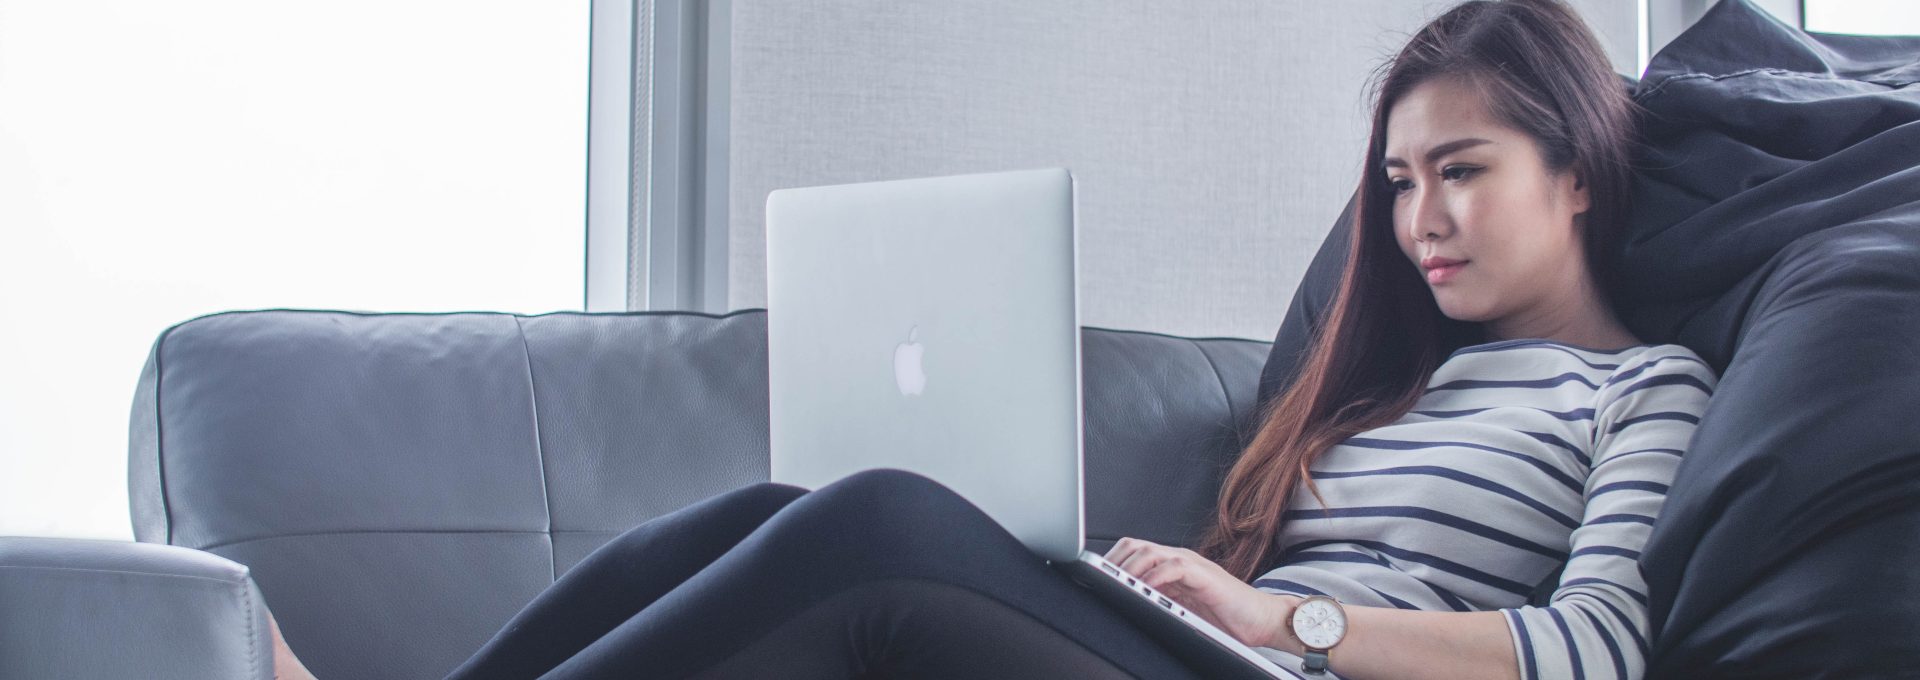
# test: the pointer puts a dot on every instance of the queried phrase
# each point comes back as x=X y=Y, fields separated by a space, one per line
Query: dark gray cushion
x=1777 y=232
x=401 y=483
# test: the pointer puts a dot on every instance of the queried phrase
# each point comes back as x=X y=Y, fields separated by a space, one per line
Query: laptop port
x=1164 y=602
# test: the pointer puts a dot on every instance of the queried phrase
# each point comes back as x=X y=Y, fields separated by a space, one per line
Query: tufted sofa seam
x=539 y=450
x=118 y=572
x=1661 y=85
x=253 y=650
x=1224 y=394
x=362 y=532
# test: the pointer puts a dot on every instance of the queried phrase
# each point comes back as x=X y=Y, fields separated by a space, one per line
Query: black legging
x=883 y=574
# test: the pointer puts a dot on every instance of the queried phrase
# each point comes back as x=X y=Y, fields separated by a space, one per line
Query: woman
x=1471 y=417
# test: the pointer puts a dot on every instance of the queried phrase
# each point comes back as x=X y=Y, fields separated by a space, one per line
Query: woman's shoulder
x=1660 y=358
x=1660 y=365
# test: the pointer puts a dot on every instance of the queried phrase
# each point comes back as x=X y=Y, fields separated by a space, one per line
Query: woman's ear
x=1577 y=195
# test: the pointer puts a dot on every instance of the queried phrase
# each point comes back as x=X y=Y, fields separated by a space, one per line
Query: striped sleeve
x=1596 y=623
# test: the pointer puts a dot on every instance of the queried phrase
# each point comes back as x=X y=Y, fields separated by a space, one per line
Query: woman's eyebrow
x=1439 y=151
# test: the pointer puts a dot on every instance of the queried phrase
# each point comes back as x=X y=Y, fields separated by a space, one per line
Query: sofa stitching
x=1232 y=423
x=539 y=452
x=116 y=572
x=1661 y=84
x=348 y=312
x=253 y=651
x=361 y=532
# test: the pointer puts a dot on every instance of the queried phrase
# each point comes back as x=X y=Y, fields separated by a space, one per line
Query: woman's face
x=1469 y=188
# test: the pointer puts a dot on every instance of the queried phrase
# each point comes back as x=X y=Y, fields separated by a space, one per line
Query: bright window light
x=163 y=160
x=1863 y=17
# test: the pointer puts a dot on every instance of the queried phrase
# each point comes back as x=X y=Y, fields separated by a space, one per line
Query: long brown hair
x=1542 y=72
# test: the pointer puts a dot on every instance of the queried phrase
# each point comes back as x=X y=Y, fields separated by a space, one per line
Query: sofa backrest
x=401 y=484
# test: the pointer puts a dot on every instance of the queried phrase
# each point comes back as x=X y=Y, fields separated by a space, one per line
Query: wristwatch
x=1319 y=622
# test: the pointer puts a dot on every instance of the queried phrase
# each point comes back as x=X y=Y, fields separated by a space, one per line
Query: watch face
x=1319 y=623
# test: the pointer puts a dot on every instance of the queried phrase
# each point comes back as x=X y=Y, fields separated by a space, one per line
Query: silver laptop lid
x=932 y=325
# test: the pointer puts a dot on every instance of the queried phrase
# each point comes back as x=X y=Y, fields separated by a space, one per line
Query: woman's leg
x=623 y=577
x=885 y=571
x=915 y=628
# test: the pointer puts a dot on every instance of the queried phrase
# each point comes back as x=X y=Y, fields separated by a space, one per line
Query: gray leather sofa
x=398 y=485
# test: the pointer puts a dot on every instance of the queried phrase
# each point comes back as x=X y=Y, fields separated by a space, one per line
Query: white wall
x=162 y=160
x=1214 y=142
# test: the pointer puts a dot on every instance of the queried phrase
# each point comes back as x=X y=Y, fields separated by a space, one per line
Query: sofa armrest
x=80 y=608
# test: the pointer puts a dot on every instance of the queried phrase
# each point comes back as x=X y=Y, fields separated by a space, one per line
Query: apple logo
x=907 y=372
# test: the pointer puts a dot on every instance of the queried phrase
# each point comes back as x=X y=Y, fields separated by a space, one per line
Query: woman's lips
x=1439 y=275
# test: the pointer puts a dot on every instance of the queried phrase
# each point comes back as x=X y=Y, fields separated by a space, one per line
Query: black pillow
x=1776 y=232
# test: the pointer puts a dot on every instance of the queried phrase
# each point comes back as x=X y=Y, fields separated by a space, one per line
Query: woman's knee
x=887 y=480
x=888 y=507
x=774 y=494
x=751 y=504
x=892 y=492
x=723 y=517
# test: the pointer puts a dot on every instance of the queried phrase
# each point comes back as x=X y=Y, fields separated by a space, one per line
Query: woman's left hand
x=1249 y=615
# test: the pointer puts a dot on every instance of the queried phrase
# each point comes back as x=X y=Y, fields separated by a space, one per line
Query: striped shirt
x=1521 y=456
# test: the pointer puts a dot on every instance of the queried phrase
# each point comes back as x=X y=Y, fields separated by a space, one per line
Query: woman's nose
x=1429 y=219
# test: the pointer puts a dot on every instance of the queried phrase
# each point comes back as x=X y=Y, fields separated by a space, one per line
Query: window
x=159 y=161
x=1863 y=17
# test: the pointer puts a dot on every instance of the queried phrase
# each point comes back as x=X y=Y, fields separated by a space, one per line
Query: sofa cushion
x=1777 y=232
x=401 y=484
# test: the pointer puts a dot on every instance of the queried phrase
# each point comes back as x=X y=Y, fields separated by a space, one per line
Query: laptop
x=932 y=325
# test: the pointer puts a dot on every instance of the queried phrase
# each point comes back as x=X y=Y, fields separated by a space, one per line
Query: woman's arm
x=1401 y=643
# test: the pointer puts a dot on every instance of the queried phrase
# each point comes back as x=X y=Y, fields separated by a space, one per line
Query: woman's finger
x=1165 y=570
x=1144 y=558
x=1134 y=551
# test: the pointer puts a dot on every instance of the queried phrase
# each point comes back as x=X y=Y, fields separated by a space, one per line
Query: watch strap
x=1314 y=663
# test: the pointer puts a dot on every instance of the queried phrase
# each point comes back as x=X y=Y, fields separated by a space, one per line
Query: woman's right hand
x=1254 y=617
